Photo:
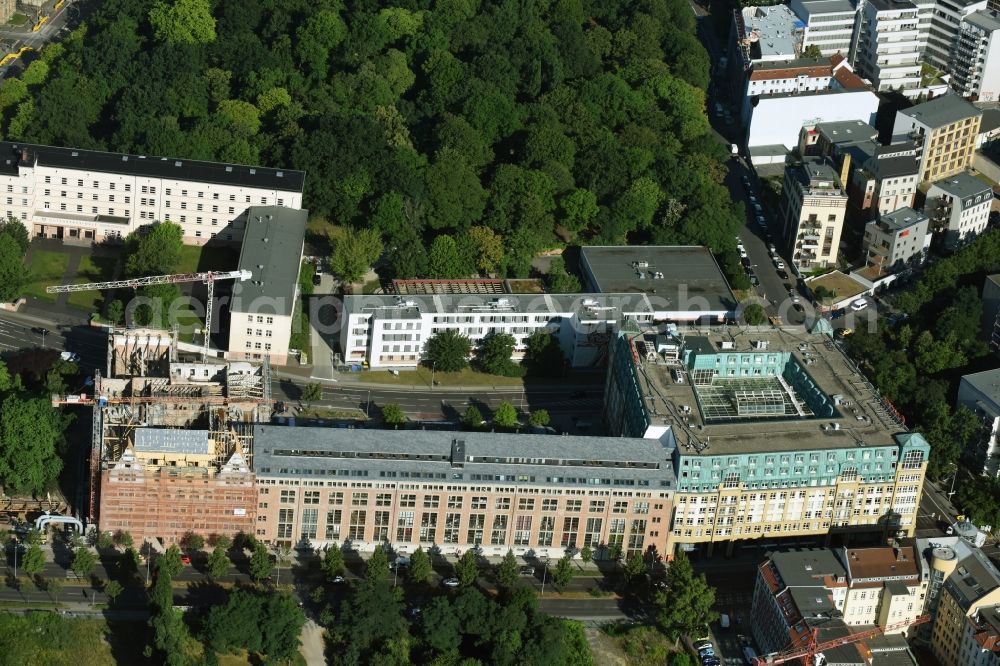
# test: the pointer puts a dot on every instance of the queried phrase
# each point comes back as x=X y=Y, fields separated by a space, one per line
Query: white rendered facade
x=829 y=24
x=942 y=20
x=778 y=119
x=75 y=196
x=975 y=63
x=887 y=47
x=962 y=207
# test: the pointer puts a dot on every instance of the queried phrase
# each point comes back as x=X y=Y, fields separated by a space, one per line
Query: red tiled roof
x=849 y=80
x=789 y=73
x=836 y=59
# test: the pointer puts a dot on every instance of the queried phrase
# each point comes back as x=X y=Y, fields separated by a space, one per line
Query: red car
x=185 y=560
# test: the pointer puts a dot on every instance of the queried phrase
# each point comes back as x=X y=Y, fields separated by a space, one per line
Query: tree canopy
x=484 y=133
x=448 y=350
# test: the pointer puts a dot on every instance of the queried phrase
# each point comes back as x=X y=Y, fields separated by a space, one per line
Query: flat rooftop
x=448 y=286
x=963 y=185
x=807 y=395
x=904 y=218
x=943 y=110
x=272 y=252
x=171 y=440
x=891 y=5
x=842 y=285
x=813 y=7
x=987 y=383
x=987 y=20
x=775 y=27
x=289 y=451
x=679 y=273
x=847 y=131
x=809 y=567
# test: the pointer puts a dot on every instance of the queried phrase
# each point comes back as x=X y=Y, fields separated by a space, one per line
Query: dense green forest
x=476 y=123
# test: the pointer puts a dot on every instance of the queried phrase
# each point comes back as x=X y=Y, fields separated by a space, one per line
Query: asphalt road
x=67 y=16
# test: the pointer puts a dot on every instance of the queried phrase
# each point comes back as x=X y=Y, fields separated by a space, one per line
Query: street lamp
x=433 y=363
x=545 y=571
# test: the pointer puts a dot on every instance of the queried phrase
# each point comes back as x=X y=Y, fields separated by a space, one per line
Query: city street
x=68 y=16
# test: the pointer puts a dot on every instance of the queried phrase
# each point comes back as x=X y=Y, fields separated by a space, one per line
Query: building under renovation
x=172 y=441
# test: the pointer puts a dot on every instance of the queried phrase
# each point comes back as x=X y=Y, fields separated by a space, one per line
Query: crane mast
x=207 y=277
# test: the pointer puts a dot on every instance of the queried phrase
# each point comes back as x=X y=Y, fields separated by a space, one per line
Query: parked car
x=527 y=571
x=779 y=264
x=337 y=580
x=782 y=274
x=72 y=357
x=724 y=621
x=757 y=208
x=185 y=560
x=746 y=182
x=317 y=279
x=859 y=304
x=772 y=249
x=701 y=643
x=451 y=582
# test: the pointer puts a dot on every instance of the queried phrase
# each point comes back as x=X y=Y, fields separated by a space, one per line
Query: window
x=428 y=527
x=477 y=522
x=356 y=530
x=310 y=517
x=381 y=526
x=404 y=526
x=574 y=506
x=522 y=531
x=383 y=499
x=592 y=537
x=525 y=504
x=452 y=527
x=545 y=530
x=550 y=504
x=502 y=504
x=478 y=502
x=454 y=501
x=407 y=500
x=288 y=497
x=432 y=501
x=570 y=528
x=498 y=536
x=596 y=506
x=285 y=518
x=620 y=507
x=336 y=498
x=310 y=497
x=333 y=525
x=359 y=499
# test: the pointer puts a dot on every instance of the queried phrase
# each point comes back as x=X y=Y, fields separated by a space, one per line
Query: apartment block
x=527 y=493
x=261 y=310
x=880 y=179
x=813 y=207
x=965 y=591
x=959 y=207
x=829 y=24
x=776 y=432
x=832 y=590
x=944 y=130
x=975 y=63
x=940 y=25
x=886 y=49
x=991 y=311
x=897 y=240
x=626 y=283
x=85 y=196
x=980 y=392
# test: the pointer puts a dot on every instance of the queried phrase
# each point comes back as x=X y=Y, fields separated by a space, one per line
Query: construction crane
x=808 y=653
x=208 y=277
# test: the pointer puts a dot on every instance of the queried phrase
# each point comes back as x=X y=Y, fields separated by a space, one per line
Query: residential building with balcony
x=87 y=196
x=944 y=130
x=833 y=590
x=980 y=392
x=828 y=24
x=963 y=593
x=776 y=435
x=533 y=494
x=940 y=25
x=975 y=62
x=880 y=179
x=897 y=240
x=959 y=208
x=886 y=48
x=813 y=208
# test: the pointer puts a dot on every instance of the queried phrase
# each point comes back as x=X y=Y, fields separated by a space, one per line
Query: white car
x=758 y=209
x=779 y=264
x=72 y=357
x=859 y=305
x=794 y=296
x=743 y=252
x=451 y=582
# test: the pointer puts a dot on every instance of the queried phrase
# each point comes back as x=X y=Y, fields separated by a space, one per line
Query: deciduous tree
x=420 y=567
x=507 y=571
x=154 y=251
x=467 y=569
x=448 y=350
x=11 y=268
x=685 y=606
x=183 y=21
x=505 y=416
x=84 y=561
x=377 y=566
x=218 y=563
x=333 y=562
x=472 y=419
x=494 y=354
x=31 y=437
x=260 y=563
x=354 y=253
x=562 y=574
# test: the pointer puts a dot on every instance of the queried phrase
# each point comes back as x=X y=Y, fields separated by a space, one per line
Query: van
x=724 y=621
x=734 y=149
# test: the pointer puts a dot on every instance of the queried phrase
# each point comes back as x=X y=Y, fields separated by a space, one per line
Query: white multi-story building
x=776 y=118
x=262 y=308
x=89 y=196
x=829 y=24
x=939 y=26
x=980 y=392
x=975 y=63
x=644 y=284
x=959 y=206
x=897 y=240
x=887 y=46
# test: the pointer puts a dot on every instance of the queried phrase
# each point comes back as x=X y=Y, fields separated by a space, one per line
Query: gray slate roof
x=155 y=167
x=963 y=185
x=290 y=452
x=986 y=383
x=941 y=111
x=272 y=252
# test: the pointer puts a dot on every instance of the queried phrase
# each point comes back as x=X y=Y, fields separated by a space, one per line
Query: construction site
x=171 y=447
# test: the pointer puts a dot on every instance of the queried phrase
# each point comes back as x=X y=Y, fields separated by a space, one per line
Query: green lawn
x=189 y=325
x=422 y=375
x=18 y=19
x=46 y=269
x=196 y=259
x=92 y=269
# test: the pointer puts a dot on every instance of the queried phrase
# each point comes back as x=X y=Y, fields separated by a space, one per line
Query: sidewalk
x=350 y=380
